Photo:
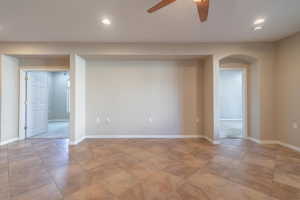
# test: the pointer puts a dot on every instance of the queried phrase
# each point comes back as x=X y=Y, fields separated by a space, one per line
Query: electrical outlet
x=150 y=119
x=107 y=120
x=98 y=120
x=295 y=125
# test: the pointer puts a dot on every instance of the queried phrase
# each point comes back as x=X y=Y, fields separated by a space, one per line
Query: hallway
x=57 y=130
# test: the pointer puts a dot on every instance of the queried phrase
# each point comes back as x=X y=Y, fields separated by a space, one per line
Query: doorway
x=233 y=122
x=47 y=108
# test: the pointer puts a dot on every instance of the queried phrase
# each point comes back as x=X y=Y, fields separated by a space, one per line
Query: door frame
x=245 y=97
x=22 y=96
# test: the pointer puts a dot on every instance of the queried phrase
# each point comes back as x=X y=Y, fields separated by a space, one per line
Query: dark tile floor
x=148 y=170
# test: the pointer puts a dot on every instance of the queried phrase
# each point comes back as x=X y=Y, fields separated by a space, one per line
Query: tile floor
x=148 y=170
x=231 y=128
x=56 y=130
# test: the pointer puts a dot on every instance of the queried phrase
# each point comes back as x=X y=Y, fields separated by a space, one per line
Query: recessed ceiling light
x=258 y=28
x=259 y=21
x=106 y=21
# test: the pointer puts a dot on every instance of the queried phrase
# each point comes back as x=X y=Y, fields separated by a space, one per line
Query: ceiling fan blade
x=203 y=8
x=160 y=5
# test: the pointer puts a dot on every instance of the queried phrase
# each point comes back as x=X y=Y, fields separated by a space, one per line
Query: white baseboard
x=150 y=137
x=274 y=142
x=262 y=141
x=133 y=137
x=289 y=146
x=141 y=136
x=210 y=140
x=164 y=137
x=231 y=119
x=9 y=141
x=58 y=120
x=77 y=141
x=128 y=137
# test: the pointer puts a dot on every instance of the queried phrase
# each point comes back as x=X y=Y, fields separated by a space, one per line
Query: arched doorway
x=238 y=94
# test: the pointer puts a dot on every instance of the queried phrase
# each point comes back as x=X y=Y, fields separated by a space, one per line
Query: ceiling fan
x=202 y=5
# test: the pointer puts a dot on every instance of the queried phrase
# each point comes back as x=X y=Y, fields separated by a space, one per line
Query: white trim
x=61 y=68
x=77 y=141
x=210 y=140
x=289 y=146
x=134 y=137
x=9 y=141
x=22 y=92
x=253 y=140
x=245 y=102
x=58 y=120
x=262 y=141
x=231 y=119
x=274 y=142
x=215 y=142
x=142 y=136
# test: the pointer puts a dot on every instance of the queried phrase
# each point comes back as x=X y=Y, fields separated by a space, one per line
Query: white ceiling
x=76 y=20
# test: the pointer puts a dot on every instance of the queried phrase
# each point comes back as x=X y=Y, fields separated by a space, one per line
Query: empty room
x=150 y=100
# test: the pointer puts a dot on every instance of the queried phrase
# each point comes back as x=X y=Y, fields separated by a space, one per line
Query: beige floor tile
x=159 y=186
x=99 y=174
x=23 y=184
x=285 y=192
x=120 y=182
x=181 y=169
x=4 y=185
x=92 y=192
x=219 y=188
x=287 y=179
x=190 y=192
x=47 y=192
x=148 y=169
x=260 y=160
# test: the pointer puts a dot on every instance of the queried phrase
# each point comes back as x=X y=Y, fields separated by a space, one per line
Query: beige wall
x=276 y=80
x=262 y=52
x=131 y=97
x=9 y=67
x=287 y=90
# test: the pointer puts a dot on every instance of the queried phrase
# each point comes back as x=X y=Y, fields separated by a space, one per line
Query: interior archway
x=251 y=104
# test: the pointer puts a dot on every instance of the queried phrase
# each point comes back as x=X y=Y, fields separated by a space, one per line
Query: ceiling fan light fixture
x=106 y=21
x=257 y=28
x=259 y=21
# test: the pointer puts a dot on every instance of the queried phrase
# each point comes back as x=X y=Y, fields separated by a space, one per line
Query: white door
x=37 y=103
